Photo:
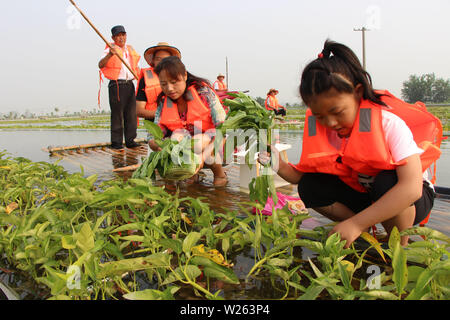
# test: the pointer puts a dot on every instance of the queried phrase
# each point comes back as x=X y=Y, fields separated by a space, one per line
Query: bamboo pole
x=106 y=41
x=84 y=146
x=226 y=67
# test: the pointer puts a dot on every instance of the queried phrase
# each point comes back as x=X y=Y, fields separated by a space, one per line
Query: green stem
x=260 y=262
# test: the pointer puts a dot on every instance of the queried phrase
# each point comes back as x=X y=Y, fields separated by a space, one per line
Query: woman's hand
x=154 y=146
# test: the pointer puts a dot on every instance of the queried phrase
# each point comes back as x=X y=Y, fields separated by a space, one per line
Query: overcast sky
x=50 y=54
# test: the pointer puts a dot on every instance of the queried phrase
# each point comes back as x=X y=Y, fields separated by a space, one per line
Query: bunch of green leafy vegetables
x=175 y=161
x=245 y=113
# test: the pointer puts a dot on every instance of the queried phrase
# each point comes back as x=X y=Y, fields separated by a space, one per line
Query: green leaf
x=277 y=262
x=176 y=275
x=129 y=226
x=192 y=271
x=221 y=273
x=316 y=270
x=312 y=292
x=225 y=244
x=213 y=270
x=119 y=267
x=345 y=275
x=422 y=285
x=85 y=238
x=426 y=232
x=394 y=238
x=414 y=273
x=400 y=275
x=153 y=129
x=152 y=294
x=190 y=241
x=174 y=244
x=68 y=242
x=377 y=294
x=374 y=242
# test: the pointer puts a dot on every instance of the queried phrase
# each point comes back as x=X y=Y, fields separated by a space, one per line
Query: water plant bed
x=66 y=236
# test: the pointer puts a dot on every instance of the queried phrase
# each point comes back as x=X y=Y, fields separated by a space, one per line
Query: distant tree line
x=14 y=115
x=426 y=88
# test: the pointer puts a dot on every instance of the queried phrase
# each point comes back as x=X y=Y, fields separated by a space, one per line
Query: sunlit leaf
x=68 y=242
x=152 y=294
x=190 y=241
x=129 y=265
x=394 y=238
x=85 y=238
x=400 y=275
x=11 y=207
x=211 y=254
x=374 y=242
x=426 y=232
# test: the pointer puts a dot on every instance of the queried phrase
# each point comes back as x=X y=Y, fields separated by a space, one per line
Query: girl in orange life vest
x=149 y=88
x=188 y=105
x=360 y=164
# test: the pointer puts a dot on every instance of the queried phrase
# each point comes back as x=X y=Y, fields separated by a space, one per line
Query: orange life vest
x=152 y=87
x=269 y=103
x=222 y=86
x=366 y=150
x=112 y=68
x=197 y=112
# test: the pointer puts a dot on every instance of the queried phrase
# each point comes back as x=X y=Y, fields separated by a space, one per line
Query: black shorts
x=320 y=190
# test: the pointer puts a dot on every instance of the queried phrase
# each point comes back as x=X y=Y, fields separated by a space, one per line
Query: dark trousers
x=280 y=112
x=320 y=190
x=122 y=101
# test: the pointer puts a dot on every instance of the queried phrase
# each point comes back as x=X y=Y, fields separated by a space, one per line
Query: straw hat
x=220 y=75
x=149 y=52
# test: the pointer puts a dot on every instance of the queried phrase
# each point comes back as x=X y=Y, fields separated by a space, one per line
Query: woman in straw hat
x=271 y=103
x=219 y=85
x=149 y=88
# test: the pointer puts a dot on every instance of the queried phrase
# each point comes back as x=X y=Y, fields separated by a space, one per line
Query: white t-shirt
x=124 y=73
x=399 y=138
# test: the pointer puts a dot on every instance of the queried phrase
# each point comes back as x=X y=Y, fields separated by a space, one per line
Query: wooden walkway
x=100 y=158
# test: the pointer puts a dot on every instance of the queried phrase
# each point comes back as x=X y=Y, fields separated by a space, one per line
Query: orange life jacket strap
x=99 y=86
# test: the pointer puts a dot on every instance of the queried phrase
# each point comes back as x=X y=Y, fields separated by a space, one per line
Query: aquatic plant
x=78 y=238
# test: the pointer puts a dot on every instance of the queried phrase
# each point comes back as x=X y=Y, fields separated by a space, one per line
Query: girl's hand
x=152 y=144
x=348 y=230
x=273 y=157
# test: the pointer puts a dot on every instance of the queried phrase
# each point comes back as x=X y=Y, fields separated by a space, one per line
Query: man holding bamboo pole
x=122 y=99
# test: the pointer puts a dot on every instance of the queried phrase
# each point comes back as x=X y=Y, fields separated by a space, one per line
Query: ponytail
x=338 y=67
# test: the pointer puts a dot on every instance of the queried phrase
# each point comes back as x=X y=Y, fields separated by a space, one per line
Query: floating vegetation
x=77 y=238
